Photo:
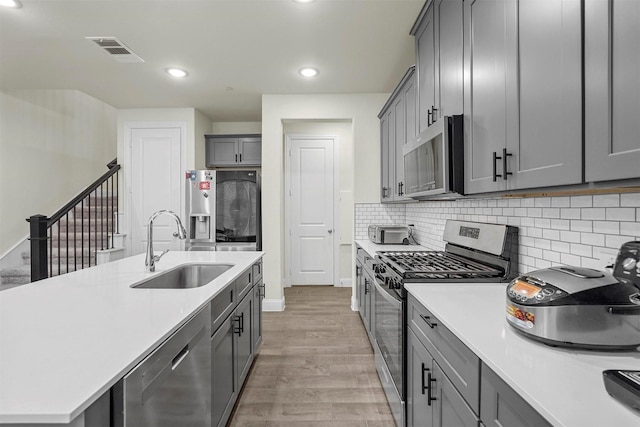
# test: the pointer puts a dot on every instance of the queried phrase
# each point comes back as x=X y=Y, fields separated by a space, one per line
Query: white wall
x=362 y=110
x=202 y=126
x=53 y=143
x=230 y=128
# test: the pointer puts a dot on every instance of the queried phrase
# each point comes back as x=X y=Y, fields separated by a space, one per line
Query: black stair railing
x=69 y=239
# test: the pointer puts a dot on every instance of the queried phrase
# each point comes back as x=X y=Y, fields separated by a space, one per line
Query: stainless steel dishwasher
x=172 y=386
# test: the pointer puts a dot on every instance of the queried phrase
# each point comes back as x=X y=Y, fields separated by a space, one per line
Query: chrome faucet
x=151 y=259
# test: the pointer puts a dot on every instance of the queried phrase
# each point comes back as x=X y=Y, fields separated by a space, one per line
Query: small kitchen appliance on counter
x=388 y=234
x=624 y=386
x=575 y=307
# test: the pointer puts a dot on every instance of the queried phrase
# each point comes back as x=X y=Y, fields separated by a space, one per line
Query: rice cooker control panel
x=627 y=264
x=529 y=290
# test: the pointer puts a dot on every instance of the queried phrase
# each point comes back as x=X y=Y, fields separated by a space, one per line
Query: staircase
x=82 y=234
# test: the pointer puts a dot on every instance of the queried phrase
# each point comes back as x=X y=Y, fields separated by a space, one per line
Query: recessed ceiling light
x=10 y=3
x=177 y=72
x=304 y=1
x=308 y=72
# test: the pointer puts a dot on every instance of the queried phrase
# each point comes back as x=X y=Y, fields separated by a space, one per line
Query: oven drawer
x=460 y=364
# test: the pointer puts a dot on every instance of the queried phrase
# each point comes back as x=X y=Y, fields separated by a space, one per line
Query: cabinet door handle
x=242 y=322
x=495 y=161
x=429 y=322
x=429 y=121
x=401 y=187
x=366 y=286
x=430 y=380
x=424 y=387
x=358 y=271
x=504 y=163
x=434 y=116
x=238 y=329
x=384 y=192
x=236 y=158
x=240 y=157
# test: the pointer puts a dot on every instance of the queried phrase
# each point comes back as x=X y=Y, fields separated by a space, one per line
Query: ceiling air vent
x=116 y=49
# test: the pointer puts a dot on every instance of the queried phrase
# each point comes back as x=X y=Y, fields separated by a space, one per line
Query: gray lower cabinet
x=503 y=407
x=233 y=150
x=243 y=336
x=522 y=94
x=447 y=385
x=256 y=319
x=612 y=93
x=364 y=291
x=432 y=400
x=236 y=341
x=223 y=378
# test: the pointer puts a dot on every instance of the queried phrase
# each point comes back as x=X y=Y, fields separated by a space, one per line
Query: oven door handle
x=385 y=294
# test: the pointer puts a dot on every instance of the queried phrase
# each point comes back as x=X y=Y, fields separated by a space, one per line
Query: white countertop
x=66 y=340
x=371 y=248
x=565 y=386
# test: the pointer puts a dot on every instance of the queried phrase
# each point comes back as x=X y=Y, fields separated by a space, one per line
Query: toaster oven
x=388 y=234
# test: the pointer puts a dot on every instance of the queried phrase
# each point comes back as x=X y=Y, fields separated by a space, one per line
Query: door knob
x=330 y=231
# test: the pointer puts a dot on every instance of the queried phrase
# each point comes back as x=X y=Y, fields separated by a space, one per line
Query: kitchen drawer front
x=222 y=306
x=257 y=271
x=503 y=407
x=457 y=361
x=243 y=285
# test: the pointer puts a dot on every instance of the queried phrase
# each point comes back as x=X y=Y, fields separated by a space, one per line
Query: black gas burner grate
x=427 y=265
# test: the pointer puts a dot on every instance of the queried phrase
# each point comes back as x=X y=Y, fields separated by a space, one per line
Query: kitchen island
x=565 y=386
x=66 y=340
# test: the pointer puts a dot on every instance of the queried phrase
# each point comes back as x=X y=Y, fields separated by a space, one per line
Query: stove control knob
x=379 y=268
x=629 y=264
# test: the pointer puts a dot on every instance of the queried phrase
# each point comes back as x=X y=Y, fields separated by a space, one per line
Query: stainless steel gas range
x=474 y=252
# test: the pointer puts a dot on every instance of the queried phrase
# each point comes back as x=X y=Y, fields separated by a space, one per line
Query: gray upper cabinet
x=485 y=95
x=612 y=92
x=233 y=150
x=387 y=156
x=398 y=125
x=426 y=64
x=522 y=94
x=549 y=83
x=449 y=42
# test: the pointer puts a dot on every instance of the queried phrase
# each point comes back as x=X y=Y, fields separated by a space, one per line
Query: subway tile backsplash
x=577 y=230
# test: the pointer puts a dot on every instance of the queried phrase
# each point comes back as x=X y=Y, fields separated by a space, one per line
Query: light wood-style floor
x=315 y=367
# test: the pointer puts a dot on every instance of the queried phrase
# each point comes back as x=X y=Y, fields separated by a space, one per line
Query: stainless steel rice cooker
x=575 y=307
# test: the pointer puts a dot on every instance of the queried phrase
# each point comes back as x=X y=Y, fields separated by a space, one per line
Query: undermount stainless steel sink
x=184 y=276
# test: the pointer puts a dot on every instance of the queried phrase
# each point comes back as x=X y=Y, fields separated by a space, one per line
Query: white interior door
x=156 y=177
x=310 y=210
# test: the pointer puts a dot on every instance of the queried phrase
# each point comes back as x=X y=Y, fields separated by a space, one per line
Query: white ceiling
x=234 y=50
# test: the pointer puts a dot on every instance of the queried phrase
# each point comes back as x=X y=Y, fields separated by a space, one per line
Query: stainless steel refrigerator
x=223 y=210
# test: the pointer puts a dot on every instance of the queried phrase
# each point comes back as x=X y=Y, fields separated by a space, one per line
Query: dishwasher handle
x=180 y=357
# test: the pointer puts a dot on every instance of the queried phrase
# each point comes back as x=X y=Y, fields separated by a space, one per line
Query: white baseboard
x=344 y=283
x=354 y=303
x=273 y=304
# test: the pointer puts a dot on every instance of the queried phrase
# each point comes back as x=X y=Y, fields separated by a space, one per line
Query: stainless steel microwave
x=434 y=162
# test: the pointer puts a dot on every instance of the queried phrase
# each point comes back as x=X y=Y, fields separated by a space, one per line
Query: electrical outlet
x=606 y=256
